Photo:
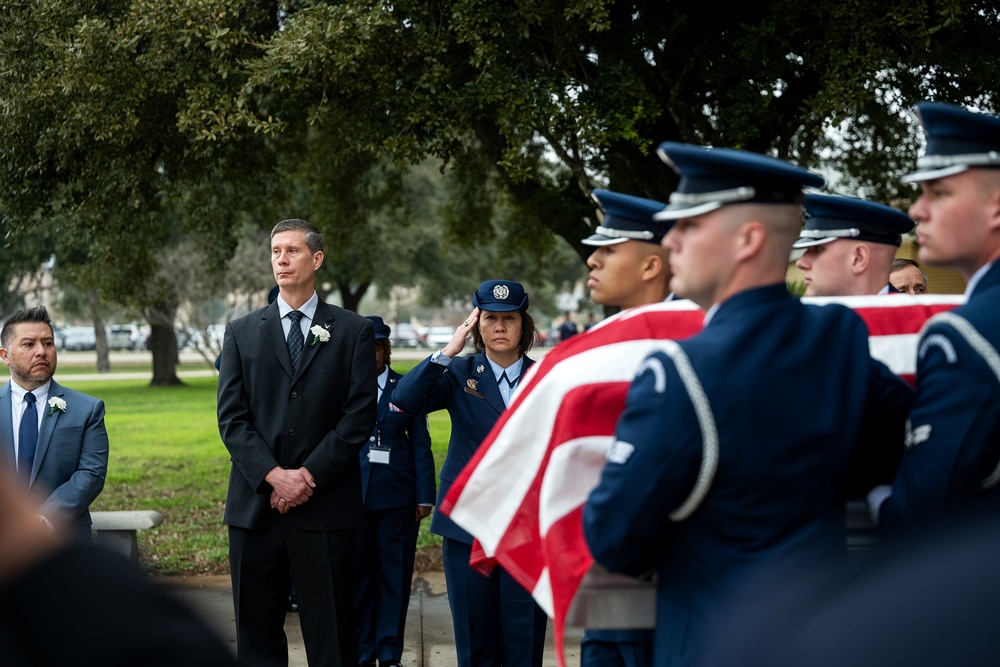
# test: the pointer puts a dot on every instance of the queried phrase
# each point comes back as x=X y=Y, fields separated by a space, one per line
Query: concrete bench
x=117 y=530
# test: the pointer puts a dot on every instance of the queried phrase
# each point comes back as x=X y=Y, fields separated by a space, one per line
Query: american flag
x=522 y=494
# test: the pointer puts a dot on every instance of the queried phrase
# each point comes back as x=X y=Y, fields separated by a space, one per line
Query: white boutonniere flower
x=56 y=403
x=320 y=335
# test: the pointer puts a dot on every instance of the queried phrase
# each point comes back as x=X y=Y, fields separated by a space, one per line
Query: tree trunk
x=100 y=334
x=352 y=298
x=163 y=344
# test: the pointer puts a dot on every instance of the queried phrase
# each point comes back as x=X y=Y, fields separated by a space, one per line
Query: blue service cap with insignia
x=627 y=218
x=714 y=177
x=382 y=329
x=500 y=296
x=957 y=139
x=831 y=217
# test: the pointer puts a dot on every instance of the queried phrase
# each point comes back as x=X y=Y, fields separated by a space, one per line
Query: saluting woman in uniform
x=496 y=621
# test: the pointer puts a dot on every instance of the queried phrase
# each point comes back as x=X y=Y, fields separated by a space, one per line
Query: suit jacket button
x=295 y=394
x=291 y=431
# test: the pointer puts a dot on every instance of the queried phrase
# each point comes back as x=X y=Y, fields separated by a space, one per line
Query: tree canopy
x=130 y=124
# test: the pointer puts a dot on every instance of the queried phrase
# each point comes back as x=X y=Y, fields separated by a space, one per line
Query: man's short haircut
x=35 y=314
x=901 y=262
x=313 y=237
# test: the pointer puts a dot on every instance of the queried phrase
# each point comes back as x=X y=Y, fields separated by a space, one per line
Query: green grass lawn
x=166 y=455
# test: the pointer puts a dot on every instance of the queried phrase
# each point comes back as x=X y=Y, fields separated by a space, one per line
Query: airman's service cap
x=500 y=296
x=382 y=329
x=832 y=217
x=714 y=177
x=625 y=218
x=957 y=140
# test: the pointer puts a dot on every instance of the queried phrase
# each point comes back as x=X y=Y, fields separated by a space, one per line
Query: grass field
x=166 y=455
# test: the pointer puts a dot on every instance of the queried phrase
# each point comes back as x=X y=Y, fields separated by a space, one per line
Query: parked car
x=124 y=337
x=438 y=337
x=405 y=335
x=79 y=338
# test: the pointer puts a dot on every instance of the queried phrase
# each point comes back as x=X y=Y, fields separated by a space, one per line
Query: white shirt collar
x=383 y=378
x=308 y=308
x=976 y=277
x=513 y=371
x=41 y=393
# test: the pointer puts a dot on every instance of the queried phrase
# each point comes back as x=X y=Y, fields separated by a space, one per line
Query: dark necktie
x=295 y=339
x=27 y=441
x=505 y=395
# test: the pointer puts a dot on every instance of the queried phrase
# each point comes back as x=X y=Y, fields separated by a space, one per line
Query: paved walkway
x=429 y=638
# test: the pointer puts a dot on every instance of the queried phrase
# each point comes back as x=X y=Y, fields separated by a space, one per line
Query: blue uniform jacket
x=953 y=439
x=734 y=453
x=408 y=479
x=467 y=389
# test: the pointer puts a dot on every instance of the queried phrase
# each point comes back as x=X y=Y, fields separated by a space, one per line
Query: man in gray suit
x=54 y=443
x=296 y=404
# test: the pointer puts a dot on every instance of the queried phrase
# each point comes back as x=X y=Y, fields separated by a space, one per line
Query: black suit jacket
x=319 y=417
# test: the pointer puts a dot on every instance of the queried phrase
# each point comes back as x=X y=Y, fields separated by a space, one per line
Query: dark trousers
x=322 y=567
x=386 y=542
x=497 y=623
x=598 y=649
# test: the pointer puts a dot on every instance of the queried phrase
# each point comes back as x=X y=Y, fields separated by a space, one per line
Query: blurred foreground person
x=65 y=603
x=735 y=450
x=497 y=623
x=397 y=487
x=928 y=601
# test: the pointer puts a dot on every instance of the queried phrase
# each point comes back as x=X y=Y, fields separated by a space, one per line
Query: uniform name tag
x=378 y=455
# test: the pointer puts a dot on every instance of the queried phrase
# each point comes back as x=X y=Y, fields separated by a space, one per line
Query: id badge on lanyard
x=376 y=452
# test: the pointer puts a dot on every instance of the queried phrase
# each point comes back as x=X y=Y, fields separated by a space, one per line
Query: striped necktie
x=295 y=339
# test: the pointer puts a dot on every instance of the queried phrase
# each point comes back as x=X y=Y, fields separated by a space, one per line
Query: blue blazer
x=71 y=460
x=734 y=453
x=467 y=389
x=953 y=441
x=408 y=479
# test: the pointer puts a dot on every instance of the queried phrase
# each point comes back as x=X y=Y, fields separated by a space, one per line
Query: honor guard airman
x=629 y=267
x=735 y=448
x=848 y=245
x=952 y=452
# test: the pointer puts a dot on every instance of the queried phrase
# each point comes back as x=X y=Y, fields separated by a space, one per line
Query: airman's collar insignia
x=480 y=368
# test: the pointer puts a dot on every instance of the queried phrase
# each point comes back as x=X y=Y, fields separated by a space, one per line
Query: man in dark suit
x=952 y=452
x=397 y=483
x=296 y=404
x=54 y=442
x=735 y=449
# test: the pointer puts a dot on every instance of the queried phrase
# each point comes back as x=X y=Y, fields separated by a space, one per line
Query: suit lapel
x=48 y=427
x=270 y=329
x=324 y=318
x=7 y=428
